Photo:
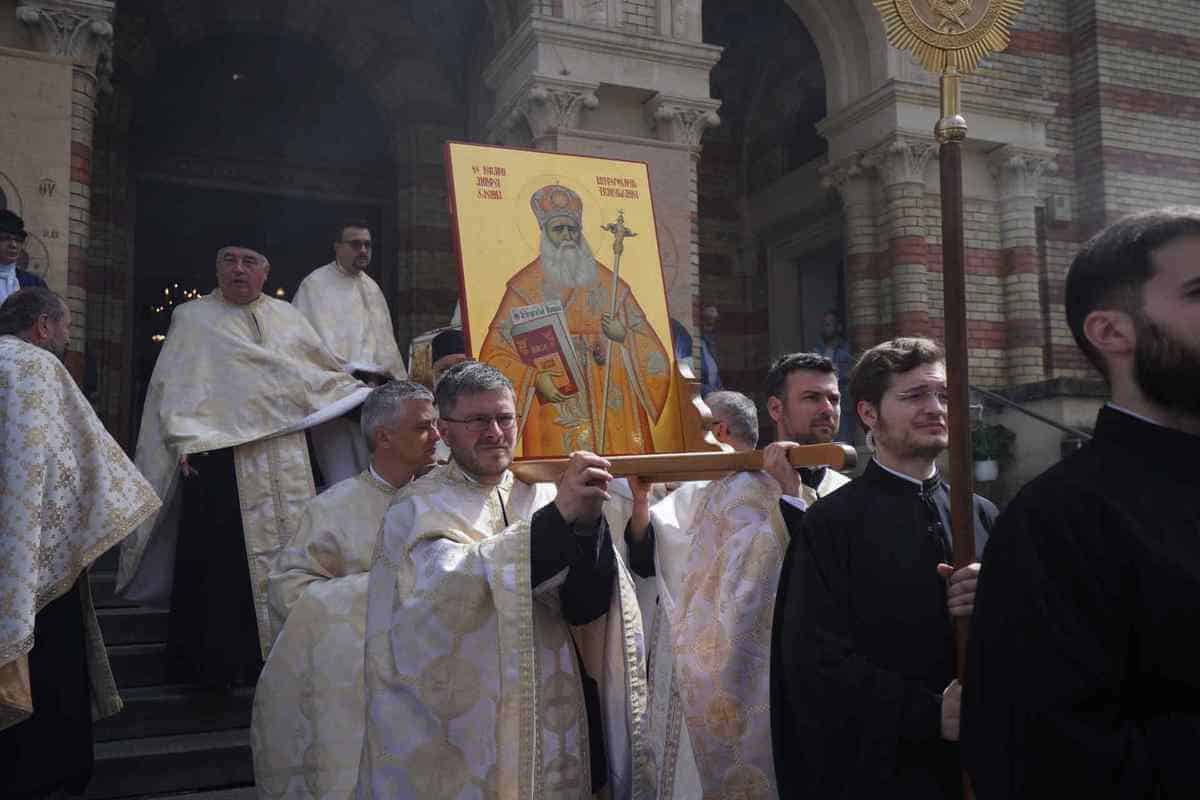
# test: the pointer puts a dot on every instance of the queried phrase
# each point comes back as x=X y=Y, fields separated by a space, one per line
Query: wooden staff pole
x=950 y=130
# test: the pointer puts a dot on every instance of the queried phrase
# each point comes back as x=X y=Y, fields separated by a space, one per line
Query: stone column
x=546 y=106
x=900 y=162
x=863 y=298
x=82 y=31
x=1018 y=173
x=684 y=122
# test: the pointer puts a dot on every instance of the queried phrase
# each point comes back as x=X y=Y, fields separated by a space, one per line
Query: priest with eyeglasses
x=504 y=645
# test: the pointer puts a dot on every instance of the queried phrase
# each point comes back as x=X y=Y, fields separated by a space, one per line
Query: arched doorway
x=772 y=244
x=336 y=109
x=251 y=139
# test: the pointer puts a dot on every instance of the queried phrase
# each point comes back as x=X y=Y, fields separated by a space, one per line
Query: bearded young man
x=552 y=419
x=504 y=645
x=720 y=612
x=864 y=701
x=804 y=401
x=1083 y=669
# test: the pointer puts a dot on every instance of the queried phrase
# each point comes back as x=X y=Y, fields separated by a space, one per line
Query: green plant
x=992 y=442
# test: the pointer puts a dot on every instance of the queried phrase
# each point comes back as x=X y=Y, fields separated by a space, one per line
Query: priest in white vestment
x=659 y=578
x=306 y=733
x=67 y=494
x=239 y=379
x=504 y=645
x=724 y=605
x=349 y=312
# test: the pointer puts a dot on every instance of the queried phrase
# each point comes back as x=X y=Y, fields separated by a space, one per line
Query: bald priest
x=240 y=377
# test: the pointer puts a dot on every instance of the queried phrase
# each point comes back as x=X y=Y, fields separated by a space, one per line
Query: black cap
x=11 y=223
x=448 y=343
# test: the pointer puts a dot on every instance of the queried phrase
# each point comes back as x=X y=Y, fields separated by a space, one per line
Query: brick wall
x=427 y=273
x=106 y=373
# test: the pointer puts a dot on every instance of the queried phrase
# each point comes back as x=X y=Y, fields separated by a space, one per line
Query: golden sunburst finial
x=947 y=35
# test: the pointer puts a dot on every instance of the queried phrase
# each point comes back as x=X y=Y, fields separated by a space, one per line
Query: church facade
x=793 y=165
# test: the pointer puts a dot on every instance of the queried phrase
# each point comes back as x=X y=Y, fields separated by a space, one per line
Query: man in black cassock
x=863 y=698
x=1083 y=668
x=67 y=494
x=241 y=375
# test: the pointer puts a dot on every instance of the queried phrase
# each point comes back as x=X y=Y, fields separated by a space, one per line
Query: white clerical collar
x=1134 y=414
x=375 y=474
x=909 y=478
x=345 y=272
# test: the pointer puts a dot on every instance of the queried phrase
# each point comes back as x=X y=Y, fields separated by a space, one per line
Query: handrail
x=999 y=398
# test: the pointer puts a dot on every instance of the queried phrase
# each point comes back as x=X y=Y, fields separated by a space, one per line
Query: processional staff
x=949 y=37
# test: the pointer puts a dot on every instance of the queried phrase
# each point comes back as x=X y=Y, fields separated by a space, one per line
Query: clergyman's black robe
x=51 y=751
x=863 y=646
x=1083 y=675
x=212 y=635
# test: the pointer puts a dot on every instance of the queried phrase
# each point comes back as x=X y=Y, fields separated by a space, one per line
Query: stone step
x=135 y=665
x=137 y=625
x=104 y=590
x=108 y=562
x=164 y=764
x=245 y=793
x=176 y=710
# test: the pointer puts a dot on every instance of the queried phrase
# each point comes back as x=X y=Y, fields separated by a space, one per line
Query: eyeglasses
x=479 y=424
x=357 y=244
x=13 y=237
x=918 y=397
x=230 y=260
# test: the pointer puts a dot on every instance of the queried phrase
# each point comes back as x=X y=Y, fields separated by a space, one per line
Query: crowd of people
x=429 y=626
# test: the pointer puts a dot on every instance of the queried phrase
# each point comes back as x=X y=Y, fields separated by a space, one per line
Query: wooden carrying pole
x=950 y=130
x=691 y=466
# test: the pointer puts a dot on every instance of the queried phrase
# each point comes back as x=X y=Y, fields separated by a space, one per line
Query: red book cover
x=540 y=348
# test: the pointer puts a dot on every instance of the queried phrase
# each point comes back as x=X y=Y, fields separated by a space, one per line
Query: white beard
x=566 y=267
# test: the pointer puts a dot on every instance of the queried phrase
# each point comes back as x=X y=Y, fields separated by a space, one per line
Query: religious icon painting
x=562 y=290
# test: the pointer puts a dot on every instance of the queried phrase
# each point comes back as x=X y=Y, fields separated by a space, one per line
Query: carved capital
x=680 y=120
x=548 y=106
x=78 y=29
x=679 y=15
x=838 y=175
x=594 y=12
x=901 y=159
x=1018 y=172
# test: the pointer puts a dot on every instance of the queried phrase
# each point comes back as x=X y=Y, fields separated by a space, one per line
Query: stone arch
x=771 y=247
x=854 y=51
x=404 y=48
x=405 y=57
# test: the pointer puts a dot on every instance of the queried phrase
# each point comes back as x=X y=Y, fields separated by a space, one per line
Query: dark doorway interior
x=255 y=140
x=180 y=228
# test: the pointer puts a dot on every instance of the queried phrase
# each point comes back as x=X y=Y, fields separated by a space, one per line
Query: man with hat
x=560 y=405
x=12 y=245
x=447 y=349
x=240 y=377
